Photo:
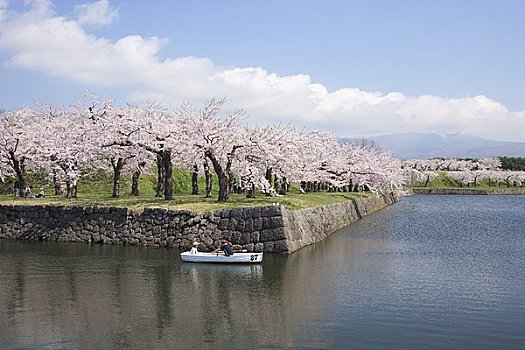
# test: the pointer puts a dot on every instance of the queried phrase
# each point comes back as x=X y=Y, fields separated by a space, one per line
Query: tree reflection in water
x=92 y=296
x=429 y=272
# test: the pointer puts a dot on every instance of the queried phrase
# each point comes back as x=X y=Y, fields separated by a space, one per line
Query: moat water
x=430 y=272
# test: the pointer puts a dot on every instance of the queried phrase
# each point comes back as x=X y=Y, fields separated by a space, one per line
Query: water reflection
x=52 y=296
x=95 y=297
x=409 y=276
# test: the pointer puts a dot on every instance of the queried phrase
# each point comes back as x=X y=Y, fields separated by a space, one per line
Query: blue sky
x=356 y=68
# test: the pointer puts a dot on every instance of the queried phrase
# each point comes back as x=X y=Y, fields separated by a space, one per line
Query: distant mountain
x=419 y=145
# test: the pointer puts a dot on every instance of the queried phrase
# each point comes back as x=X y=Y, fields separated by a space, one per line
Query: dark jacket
x=227 y=248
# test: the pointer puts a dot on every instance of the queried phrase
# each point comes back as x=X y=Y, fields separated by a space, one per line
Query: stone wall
x=268 y=229
x=304 y=227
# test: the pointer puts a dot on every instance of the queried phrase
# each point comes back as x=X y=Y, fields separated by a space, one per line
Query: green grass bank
x=96 y=190
x=444 y=184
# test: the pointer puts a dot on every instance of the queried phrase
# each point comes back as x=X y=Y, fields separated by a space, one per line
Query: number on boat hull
x=253 y=257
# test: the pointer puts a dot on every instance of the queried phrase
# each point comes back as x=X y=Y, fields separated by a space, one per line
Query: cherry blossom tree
x=97 y=135
x=360 y=168
x=417 y=171
x=64 y=144
x=154 y=130
x=492 y=163
x=108 y=135
x=19 y=143
x=217 y=139
x=266 y=155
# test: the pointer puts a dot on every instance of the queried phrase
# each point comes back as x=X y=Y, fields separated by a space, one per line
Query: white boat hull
x=236 y=258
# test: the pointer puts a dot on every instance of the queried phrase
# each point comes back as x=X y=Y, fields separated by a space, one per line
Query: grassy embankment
x=96 y=191
x=444 y=182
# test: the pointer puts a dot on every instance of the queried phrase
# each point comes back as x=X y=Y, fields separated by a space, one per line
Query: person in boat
x=226 y=247
x=193 y=249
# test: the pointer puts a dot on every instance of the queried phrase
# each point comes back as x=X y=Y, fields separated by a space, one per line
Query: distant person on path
x=226 y=247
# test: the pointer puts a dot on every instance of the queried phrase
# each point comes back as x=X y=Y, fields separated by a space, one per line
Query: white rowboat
x=236 y=258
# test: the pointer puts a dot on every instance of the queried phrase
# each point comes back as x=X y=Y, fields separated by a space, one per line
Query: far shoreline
x=467 y=191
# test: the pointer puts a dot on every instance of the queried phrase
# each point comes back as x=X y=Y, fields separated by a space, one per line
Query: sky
x=355 y=68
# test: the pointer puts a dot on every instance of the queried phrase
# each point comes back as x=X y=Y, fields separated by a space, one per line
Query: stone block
x=224 y=213
x=257 y=224
x=255 y=236
x=268 y=247
x=248 y=225
x=223 y=224
x=232 y=225
x=237 y=213
x=280 y=246
x=273 y=210
x=241 y=225
x=245 y=238
x=258 y=247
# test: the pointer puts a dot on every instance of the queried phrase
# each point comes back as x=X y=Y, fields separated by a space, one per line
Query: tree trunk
x=71 y=178
x=277 y=184
x=221 y=174
x=195 y=180
x=234 y=184
x=239 y=188
x=168 y=172
x=19 y=168
x=284 y=186
x=224 y=196
x=135 y=179
x=268 y=175
x=160 y=176
x=302 y=186
x=231 y=182
x=117 y=170
x=57 y=182
x=208 y=178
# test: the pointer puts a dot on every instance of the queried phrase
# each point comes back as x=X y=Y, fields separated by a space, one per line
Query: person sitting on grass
x=28 y=193
x=41 y=194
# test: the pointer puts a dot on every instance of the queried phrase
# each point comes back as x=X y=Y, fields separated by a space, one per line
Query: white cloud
x=3 y=9
x=42 y=41
x=98 y=13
